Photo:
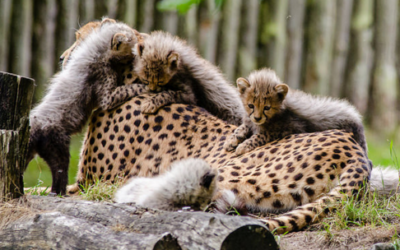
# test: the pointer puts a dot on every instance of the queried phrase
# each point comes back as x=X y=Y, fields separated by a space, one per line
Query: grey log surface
x=16 y=95
x=71 y=221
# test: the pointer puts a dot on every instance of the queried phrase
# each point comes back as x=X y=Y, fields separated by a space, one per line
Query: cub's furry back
x=88 y=81
x=165 y=62
x=275 y=111
x=189 y=182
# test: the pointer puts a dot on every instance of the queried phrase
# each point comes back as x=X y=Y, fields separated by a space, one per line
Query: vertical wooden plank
x=214 y=15
x=360 y=59
x=147 y=16
x=341 y=46
x=5 y=20
x=43 y=42
x=384 y=81
x=248 y=38
x=89 y=6
x=72 y=7
x=295 y=39
x=130 y=13
x=21 y=35
x=276 y=48
x=321 y=26
x=112 y=8
x=190 y=25
x=230 y=36
x=170 y=22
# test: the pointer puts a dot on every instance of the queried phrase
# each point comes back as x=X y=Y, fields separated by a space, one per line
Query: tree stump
x=16 y=95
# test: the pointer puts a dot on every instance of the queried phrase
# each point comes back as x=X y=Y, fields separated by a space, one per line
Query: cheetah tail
x=384 y=180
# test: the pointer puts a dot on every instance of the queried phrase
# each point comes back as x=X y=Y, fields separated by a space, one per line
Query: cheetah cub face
x=262 y=95
x=155 y=66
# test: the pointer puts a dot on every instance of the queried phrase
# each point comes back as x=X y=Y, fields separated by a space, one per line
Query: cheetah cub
x=88 y=81
x=275 y=111
x=188 y=182
x=174 y=69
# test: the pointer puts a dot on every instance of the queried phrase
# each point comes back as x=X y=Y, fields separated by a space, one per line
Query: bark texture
x=89 y=225
x=16 y=95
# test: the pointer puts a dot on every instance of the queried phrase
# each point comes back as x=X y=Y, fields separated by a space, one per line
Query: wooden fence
x=341 y=48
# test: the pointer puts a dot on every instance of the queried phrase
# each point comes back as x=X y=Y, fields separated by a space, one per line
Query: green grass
x=38 y=171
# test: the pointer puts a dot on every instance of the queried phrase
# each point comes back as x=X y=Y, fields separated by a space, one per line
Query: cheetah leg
x=155 y=102
x=237 y=137
x=53 y=147
x=314 y=212
x=254 y=141
x=121 y=94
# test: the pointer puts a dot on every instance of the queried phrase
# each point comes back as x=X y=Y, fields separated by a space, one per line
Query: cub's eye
x=251 y=106
x=267 y=107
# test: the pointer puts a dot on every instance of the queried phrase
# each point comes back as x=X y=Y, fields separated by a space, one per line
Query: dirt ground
x=357 y=238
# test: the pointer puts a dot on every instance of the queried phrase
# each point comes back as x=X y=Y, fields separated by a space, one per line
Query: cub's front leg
x=253 y=142
x=158 y=100
x=237 y=137
x=121 y=94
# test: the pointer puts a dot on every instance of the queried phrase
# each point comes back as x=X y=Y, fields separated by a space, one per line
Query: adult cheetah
x=303 y=172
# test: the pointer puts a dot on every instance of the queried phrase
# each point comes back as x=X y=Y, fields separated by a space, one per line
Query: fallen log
x=86 y=221
x=16 y=95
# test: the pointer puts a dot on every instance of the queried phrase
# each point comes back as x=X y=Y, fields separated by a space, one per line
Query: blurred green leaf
x=182 y=6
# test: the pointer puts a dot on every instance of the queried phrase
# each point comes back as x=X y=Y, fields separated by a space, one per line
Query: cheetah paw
x=242 y=148
x=148 y=107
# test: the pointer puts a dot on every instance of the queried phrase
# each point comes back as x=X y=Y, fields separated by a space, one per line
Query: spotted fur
x=89 y=80
x=302 y=173
x=275 y=111
x=170 y=66
x=189 y=182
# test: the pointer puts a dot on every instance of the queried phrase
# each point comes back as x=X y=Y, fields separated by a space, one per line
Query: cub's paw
x=231 y=143
x=243 y=148
x=148 y=107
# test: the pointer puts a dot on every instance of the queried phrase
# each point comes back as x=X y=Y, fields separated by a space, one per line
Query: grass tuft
x=100 y=190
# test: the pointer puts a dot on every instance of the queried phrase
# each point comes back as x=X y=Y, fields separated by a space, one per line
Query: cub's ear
x=144 y=36
x=173 y=60
x=139 y=47
x=282 y=89
x=107 y=20
x=242 y=84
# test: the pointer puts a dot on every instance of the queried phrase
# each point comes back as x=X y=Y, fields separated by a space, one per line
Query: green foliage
x=37 y=189
x=38 y=169
x=100 y=190
x=372 y=210
x=182 y=6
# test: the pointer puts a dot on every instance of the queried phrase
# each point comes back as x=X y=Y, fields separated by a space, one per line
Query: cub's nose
x=257 y=119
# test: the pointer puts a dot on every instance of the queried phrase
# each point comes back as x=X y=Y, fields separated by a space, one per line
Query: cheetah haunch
x=302 y=173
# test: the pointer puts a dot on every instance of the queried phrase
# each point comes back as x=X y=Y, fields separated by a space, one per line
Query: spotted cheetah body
x=303 y=172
